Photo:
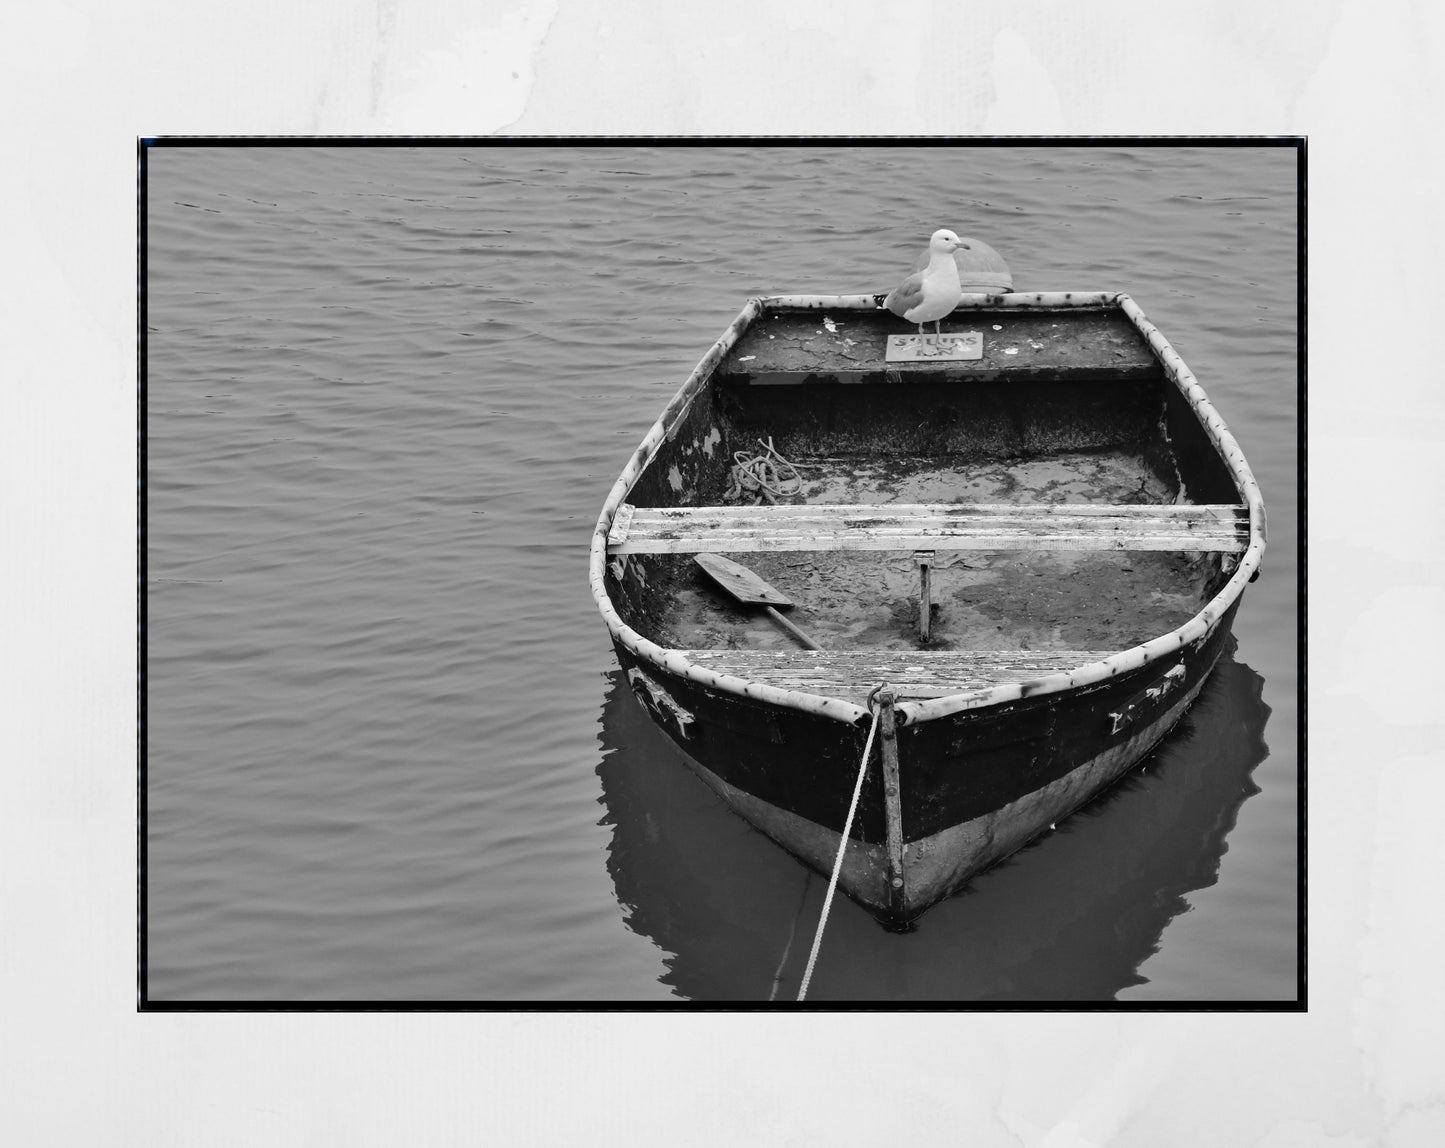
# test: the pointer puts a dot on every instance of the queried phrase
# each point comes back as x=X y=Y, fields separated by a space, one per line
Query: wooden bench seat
x=944 y=526
x=852 y=674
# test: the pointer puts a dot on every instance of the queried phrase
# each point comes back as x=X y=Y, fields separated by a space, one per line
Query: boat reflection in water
x=1070 y=918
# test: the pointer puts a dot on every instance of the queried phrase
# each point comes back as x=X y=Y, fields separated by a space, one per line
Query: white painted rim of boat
x=1195 y=630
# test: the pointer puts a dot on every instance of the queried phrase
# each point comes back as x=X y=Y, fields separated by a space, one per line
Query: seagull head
x=946 y=242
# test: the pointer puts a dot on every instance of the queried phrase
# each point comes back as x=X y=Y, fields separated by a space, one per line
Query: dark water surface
x=389 y=754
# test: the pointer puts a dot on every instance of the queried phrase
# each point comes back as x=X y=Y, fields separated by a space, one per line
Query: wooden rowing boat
x=1021 y=565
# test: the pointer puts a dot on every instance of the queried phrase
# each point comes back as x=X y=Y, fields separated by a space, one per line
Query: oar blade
x=741 y=583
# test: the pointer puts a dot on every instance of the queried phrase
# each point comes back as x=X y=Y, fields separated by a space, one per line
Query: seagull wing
x=906 y=296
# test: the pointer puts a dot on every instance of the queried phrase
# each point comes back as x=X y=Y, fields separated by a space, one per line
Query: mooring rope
x=842 y=848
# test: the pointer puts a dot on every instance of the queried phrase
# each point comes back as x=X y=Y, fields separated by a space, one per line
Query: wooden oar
x=748 y=589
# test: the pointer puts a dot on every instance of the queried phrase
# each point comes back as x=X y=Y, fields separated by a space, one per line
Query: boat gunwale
x=1196 y=629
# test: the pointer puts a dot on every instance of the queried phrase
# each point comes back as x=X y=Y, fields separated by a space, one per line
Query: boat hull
x=1096 y=521
x=976 y=785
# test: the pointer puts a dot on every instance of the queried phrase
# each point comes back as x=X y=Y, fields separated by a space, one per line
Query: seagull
x=928 y=295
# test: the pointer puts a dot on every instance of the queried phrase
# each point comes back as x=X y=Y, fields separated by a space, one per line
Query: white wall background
x=79 y=81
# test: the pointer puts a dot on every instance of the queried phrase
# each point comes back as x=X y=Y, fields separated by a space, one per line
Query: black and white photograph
x=916 y=532
x=624 y=574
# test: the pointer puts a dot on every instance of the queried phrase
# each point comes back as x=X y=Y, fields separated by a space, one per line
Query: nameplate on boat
x=928 y=349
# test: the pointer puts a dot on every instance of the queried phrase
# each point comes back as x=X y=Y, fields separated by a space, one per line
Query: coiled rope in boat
x=768 y=475
x=842 y=848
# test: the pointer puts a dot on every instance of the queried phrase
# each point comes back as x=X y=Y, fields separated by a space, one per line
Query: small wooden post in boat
x=924 y=558
x=892 y=800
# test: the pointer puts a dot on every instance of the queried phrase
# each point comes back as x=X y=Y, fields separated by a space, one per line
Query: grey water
x=387 y=754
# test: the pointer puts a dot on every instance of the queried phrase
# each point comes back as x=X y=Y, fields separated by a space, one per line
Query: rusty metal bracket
x=892 y=800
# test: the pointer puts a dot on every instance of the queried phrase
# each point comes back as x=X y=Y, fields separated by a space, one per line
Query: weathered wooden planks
x=726 y=529
x=1076 y=344
x=852 y=675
